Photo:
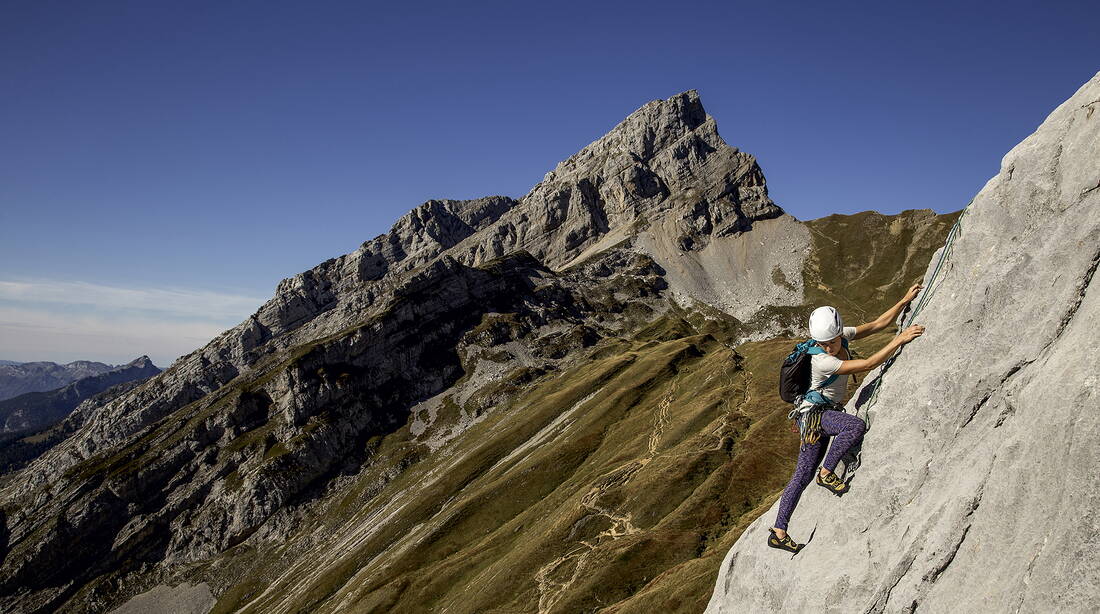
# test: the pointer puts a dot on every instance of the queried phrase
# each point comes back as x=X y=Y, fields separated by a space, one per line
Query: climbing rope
x=864 y=410
x=951 y=236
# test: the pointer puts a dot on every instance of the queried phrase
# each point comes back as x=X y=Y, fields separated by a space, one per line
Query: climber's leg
x=808 y=458
x=847 y=429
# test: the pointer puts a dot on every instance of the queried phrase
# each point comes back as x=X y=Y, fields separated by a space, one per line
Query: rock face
x=665 y=164
x=980 y=484
x=485 y=392
x=18 y=378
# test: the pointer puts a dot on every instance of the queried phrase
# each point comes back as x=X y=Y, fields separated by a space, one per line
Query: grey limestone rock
x=980 y=484
x=235 y=465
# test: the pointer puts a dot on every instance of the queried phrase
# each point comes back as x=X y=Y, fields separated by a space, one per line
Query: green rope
x=864 y=411
x=951 y=236
x=921 y=304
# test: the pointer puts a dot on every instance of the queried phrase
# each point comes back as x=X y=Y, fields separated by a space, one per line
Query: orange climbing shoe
x=832 y=483
x=786 y=543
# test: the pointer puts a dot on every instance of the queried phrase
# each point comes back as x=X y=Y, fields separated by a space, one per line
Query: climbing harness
x=809 y=421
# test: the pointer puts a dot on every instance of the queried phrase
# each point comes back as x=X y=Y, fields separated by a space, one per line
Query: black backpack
x=794 y=375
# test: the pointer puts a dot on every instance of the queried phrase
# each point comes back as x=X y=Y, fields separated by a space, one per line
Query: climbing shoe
x=786 y=543
x=832 y=483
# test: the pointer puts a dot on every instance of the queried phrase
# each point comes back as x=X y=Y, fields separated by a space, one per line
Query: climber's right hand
x=910 y=334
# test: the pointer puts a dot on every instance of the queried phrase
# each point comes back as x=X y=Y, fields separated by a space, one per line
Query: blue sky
x=164 y=165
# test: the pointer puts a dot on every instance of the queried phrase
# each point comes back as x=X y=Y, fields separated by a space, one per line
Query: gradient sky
x=163 y=165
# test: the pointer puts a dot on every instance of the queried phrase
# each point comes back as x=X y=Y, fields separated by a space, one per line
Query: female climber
x=829 y=419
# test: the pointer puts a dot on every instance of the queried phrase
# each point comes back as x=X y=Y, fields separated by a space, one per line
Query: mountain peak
x=140 y=362
x=647 y=131
x=663 y=167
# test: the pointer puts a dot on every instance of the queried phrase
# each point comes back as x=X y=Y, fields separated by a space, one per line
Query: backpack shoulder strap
x=820 y=350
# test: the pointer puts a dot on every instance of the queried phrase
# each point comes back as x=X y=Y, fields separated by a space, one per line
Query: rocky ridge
x=979 y=485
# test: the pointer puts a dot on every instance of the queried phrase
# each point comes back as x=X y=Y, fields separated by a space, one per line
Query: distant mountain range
x=36 y=409
x=18 y=378
x=27 y=420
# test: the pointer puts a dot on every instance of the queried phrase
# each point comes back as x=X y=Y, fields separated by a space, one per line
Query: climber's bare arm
x=866 y=364
x=883 y=321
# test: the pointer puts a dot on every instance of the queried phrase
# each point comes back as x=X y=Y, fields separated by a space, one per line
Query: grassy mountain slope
x=501 y=438
x=615 y=485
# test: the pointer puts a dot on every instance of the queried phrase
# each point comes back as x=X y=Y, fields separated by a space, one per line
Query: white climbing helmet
x=825 y=324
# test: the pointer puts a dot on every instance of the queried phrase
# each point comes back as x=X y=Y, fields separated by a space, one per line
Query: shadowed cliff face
x=979 y=490
x=440 y=421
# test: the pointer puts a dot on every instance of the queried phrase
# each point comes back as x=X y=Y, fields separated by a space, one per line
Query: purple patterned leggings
x=847 y=429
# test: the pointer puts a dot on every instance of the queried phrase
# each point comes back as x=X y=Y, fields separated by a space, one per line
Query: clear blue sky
x=184 y=154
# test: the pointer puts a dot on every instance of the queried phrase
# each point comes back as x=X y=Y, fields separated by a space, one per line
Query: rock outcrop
x=980 y=484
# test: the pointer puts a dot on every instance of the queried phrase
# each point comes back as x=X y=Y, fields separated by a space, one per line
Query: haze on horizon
x=164 y=166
